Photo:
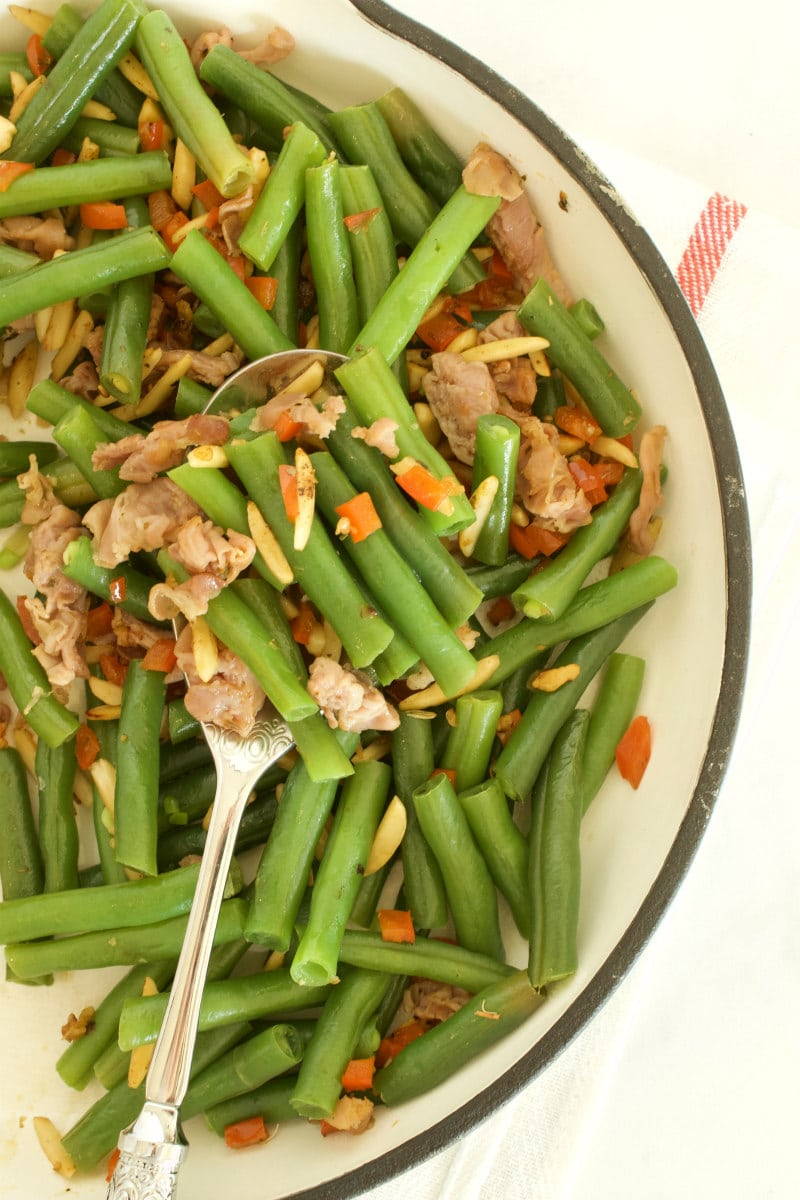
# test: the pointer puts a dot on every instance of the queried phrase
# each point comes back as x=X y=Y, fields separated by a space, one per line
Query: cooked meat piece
x=347 y=698
x=232 y=699
x=131 y=633
x=40 y=499
x=146 y=516
x=61 y=650
x=43 y=235
x=189 y=598
x=544 y=482
x=352 y=1114
x=651 y=453
x=380 y=435
x=142 y=457
x=211 y=369
x=205 y=41
x=233 y=215
x=83 y=381
x=316 y=422
x=58 y=613
x=276 y=46
x=514 y=230
x=514 y=378
x=427 y=1000
x=201 y=547
x=459 y=392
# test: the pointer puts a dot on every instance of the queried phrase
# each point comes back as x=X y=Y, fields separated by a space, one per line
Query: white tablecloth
x=684 y=1084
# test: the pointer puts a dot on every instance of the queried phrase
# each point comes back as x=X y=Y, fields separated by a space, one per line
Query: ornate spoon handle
x=150 y=1153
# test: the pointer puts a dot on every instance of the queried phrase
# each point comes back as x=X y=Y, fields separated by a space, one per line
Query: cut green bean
x=546 y=594
x=254 y=829
x=611 y=404
x=432 y=162
x=111 y=137
x=51 y=402
x=191 y=397
x=189 y=109
x=133 y=253
x=285 y=270
x=372 y=243
x=502 y=845
x=199 y=265
x=395 y=587
x=80 y=566
x=612 y=712
x=470 y=890
x=272 y=1101
x=330 y=257
x=91 y=56
x=27 y=682
x=555 y=861
x=112 y=178
x=282 y=196
x=431 y=1059
x=225 y=1002
x=587 y=316
x=500 y=580
x=111 y=871
x=58 y=830
x=248 y=1065
x=127 y=322
x=16 y=61
x=413 y=762
x=114 y=90
x=346 y=1009
x=496 y=453
x=79 y=434
x=136 y=793
x=21 y=866
x=525 y=751
x=317 y=567
x=136 y=902
x=470 y=742
x=427 y=958
x=360 y=806
x=283 y=870
x=15 y=456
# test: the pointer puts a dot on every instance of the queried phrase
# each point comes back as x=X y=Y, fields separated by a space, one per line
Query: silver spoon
x=152 y=1148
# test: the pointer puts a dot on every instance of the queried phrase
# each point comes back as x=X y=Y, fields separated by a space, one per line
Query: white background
x=688 y=1075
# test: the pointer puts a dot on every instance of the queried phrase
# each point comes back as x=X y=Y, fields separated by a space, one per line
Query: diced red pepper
x=502 y=610
x=103 y=215
x=421 y=485
x=151 y=135
x=448 y=771
x=303 y=623
x=113 y=1159
x=264 y=288
x=39 y=59
x=169 y=230
x=114 y=667
x=161 y=656
x=118 y=589
x=99 y=621
x=577 y=422
x=62 y=157
x=633 y=750
x=10 y=170
x=531 y=540
x=451 y=320
x=589 y=480
x=359 y=1074
x=286 y=428
x=362 y=516
x=361 y=220
x=396 y=925
x=287 y=479
x=87 y=746
x=393 y=1043
x=208 y=194
x=248 y=1132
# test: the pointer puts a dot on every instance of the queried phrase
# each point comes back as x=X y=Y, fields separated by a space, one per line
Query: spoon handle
x=150 y=1153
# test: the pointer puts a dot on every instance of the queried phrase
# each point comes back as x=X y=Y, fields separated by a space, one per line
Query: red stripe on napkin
x=703 y=255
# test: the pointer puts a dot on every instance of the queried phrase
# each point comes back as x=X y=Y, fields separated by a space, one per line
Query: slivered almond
x=554 y=678
x=50 y=1142
x=100 y=112
x=388 y=836
x=428 y=423
x=135 y=73
x=20 y=378
x=80 y=329
x=104 y=712
x=608 y=447
x=31 y=18
x=184 y=174
x=106 y=693
x=481 y=500
x=433 y=695
x=503 y=348
x=207 y=456
x=141 y=1055
x=267 y=544
x=204 y=649
x=463 y=341
x=306 y=492
x=104 y=777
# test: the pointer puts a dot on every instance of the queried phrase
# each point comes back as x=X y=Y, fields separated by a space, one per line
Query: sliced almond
x=104 y=712
x=503 y=348
x=104 y=777
x=268 y=545
x=433 y=695
x=306 y=495
x=608 y=447
x=141 y=1056
x=388 y=836
x=106 y=692
x=204 y=649
x=135 y=73
x=554 y=678
x=50 y=1141
x=31 y=18
x=481 y=500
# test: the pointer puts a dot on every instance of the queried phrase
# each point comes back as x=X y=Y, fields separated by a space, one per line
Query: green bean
x=282 y=874
x=434 y=164
x=95 y=1134
x=500 y=580
x=365 y=137
x=595 y=605
x=175 y=761
x=223 y=502
x=395 y=587
x=111 y=871
x=427 y=958
x=426 y=271
x=445 y=581
x=209 y=324
x=199 y=265
x=345 y=1011
x=189 y=109
x=76 y=1064
x=21 y=866
x=496 y=453
x=79 y=565
x=58 y=831
x=238 y=628
x=51 y=402
x=360 y=806
x=587 y=316
x=286 y=270
x=127 y=321
x=254 y=829
x=317 y=567
x=612 y=713
x=490 y=1015
x=608 y=399
x=15 y=456
x=330 y=257
x=135 y=252
x=135 y=902
x=92 y=54
x=469 y=886
x=550 y=395
x=244 y=998
x=525 y=751
x=12 y=60
x=412 y=763
x=114 y=90
x=546 y=594
x=502 y=845
x=136 y=793
x=268 y=101
x=119 y=947
x=248 y=1065
x=111 y=137
x=366 y=902
x=191 y=396
x=181 y=725
x=374 y=392
x=111 y=178
x=372 y=242
x=68 y=484
x=470 y=742
x=282 y=196
x=13 y=260
x=27 y=682
x=79 y=434
x=272 y=1101
x=555 y=861
x=186 y=798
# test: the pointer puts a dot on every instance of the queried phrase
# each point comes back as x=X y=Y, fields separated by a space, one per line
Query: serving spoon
x=152 y=1148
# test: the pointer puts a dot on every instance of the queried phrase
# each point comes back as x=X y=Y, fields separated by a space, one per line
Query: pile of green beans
x=494 y=776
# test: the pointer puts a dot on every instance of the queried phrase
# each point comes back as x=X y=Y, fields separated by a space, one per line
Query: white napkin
x=652 y=1098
